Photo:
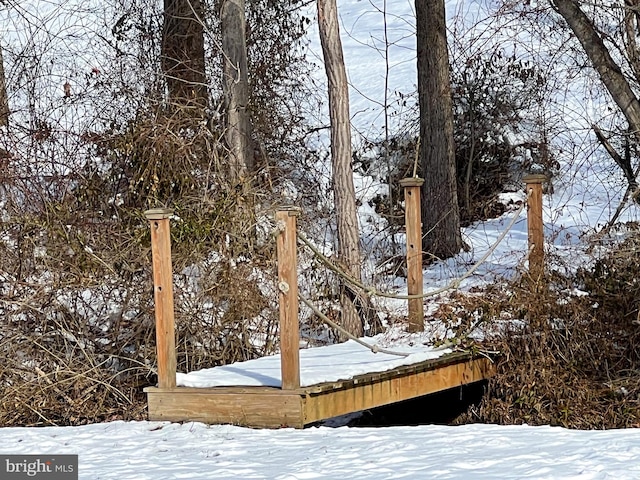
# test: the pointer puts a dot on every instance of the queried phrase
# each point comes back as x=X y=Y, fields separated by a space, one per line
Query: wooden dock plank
x=266 y=410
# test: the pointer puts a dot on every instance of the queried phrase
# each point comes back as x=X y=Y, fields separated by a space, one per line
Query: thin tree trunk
x=236 y=90
x=440 y=213
x=343 y=189
x=631 y=30
x=183 y=55
x=4 y=100
x=623 y=162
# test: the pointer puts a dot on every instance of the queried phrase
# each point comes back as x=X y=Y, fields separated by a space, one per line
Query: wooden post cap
x=535 y=178
x=158 y=213
x=411 y=182
x=290 y=210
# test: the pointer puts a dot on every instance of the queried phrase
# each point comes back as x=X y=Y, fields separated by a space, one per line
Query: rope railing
x=372 y=291
x=346 y=333
x=455 y=284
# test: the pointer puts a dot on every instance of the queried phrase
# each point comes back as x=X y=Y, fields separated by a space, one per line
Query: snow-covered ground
x=586 y=194
x=155 y=451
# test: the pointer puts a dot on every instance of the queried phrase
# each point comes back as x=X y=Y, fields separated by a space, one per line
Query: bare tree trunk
x=343 y=189
x=609 y=71
x=236 y=90
x=183 y=55
x=440 y=214
x=4 y=100
x=631 y=30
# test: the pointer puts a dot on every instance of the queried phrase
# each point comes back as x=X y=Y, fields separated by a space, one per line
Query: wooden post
x=288 y=297
x=413 y=223
x=534 y=223
x=163 y=295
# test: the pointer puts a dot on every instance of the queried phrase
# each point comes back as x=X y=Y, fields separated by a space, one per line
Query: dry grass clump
x=66 y=358
x=77 y=338
x=568 y=359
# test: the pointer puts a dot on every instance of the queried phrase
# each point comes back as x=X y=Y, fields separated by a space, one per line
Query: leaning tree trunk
x=440 y=214
x=4 y=100
x=610 y=73
x=183 y=62
x=343 y=189
x=236 y=90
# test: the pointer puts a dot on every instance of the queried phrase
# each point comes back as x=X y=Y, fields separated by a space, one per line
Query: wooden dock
x=270 y=407
x=290 y=404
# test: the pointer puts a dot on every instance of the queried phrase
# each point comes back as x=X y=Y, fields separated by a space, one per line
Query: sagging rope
x=372 y=291
x=455 y=284
x=449 y=343
x=332 y=324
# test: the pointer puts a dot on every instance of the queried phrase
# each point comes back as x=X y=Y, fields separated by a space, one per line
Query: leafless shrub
x=567 y=359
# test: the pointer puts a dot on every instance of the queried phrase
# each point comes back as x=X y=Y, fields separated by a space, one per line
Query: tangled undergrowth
x=77 y=337
x=77 y=343
x=569 y=356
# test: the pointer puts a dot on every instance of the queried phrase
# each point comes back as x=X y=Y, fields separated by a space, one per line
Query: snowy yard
x=153 y=451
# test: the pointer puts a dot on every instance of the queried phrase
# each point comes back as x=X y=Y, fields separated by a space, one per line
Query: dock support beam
x=286 y=221
x=533 y=184
x=163 y=295
x=413 y=221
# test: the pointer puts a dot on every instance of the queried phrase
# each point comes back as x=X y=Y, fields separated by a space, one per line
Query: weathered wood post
x=163 y=295
x=413 y=223
x=286 y=219
x=535 y=225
